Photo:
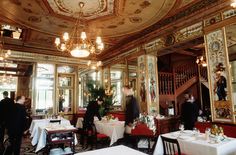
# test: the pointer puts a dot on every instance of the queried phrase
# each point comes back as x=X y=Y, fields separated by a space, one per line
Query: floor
x=28 y=149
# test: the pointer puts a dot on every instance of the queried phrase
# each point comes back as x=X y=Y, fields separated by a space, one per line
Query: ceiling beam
x=13 y=75
x=184 y=52
x=12 y=69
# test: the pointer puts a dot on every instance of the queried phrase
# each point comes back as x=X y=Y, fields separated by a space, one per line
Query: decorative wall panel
x=148 y=84
x=218 y=71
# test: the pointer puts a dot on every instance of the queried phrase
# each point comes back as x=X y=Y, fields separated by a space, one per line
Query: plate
x=186 y=137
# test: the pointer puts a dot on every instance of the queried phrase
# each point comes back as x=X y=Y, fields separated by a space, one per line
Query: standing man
x=92 y=110
x=16 y=126
x=6 y=105
x=189 y=112
x=132 y=109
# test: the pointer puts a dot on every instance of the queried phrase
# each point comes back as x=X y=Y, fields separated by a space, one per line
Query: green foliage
x=96 y=92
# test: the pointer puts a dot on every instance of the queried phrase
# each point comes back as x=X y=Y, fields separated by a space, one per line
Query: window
x=116 y=85
x=44 y=86
x=8 y=84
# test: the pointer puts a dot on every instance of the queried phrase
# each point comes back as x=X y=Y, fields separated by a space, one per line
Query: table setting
x=111 y=127
x=192 y=142
x=38 y=130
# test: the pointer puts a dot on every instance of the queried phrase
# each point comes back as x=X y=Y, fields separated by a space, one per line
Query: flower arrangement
x=148 y=120
x=217 y=131
x=109 y=117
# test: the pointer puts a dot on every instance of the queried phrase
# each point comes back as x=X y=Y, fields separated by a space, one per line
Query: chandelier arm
x=79 y=45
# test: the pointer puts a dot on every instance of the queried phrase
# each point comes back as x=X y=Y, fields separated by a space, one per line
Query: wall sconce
x=94 y=64
x=201 y=61
x=233 y=4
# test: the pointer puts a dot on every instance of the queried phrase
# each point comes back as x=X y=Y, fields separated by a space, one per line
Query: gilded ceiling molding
x=183 y=14
x=185 y=34
x=121 y=56
x=189 y=32
x=229 y=13
x=35 y=57
x=220 y=16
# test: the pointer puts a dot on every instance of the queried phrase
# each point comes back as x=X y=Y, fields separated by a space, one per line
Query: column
x=219 y=76
x=148 y=94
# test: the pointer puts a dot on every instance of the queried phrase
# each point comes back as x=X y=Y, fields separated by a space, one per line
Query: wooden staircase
x=171 y=85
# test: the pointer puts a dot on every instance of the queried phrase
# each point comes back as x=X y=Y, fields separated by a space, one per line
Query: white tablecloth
x=42 y=137
x=35 y=129
x=113 y=129
x=191 y=145
x=116 y=150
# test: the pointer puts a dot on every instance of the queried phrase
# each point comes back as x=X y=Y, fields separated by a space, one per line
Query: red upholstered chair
x=142 y=131
x=97 y=136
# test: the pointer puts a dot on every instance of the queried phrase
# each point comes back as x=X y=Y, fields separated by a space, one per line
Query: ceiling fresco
x=114 y=20
x=93 y=8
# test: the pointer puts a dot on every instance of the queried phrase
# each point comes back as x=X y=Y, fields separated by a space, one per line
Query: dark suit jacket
x=132 y=109
x=189 y=114
x=6 y=106
x=17 y=123
x=92 y=110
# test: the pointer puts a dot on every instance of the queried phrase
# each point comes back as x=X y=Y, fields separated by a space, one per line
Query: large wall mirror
x=66 y=89
x=132 y=71
x=231 y=44
x=117 y=78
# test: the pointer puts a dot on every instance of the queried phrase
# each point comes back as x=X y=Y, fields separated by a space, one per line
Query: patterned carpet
x=28 y=149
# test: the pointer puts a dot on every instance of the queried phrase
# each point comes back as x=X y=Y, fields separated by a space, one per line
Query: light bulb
x=99 y=63
x=101 y=46
x=93 y=67
x=98 y=40
x=66 y=36
x=201 y=58
x=197 y=61
x=63 y=47
x=83 y=35
x=9 y=52
x=57 y=41
x=233 y=4
x=204 y=64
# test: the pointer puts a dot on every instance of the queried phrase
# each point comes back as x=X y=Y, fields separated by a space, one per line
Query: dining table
x=112 y=128
x=115 y=150
x=192 y=143
x=38 y=133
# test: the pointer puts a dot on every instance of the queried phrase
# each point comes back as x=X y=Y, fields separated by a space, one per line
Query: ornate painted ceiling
x=114 y=20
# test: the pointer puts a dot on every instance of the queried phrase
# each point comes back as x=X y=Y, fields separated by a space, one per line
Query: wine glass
x=207 y=133
x=181 y=127
x=196 y=132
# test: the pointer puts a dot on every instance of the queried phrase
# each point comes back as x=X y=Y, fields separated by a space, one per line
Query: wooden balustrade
x=183 y=73
x=169 y=82
x=166 y=83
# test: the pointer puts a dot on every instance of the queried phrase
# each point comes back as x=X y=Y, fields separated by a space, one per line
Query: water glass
x=181 y=127
x=196 y=132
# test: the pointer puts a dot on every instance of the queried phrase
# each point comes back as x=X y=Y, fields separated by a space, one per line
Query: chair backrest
x=170 y=146
x=94 y=130
x=55 y=121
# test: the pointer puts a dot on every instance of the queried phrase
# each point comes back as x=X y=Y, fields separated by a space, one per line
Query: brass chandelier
x=77 y=43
